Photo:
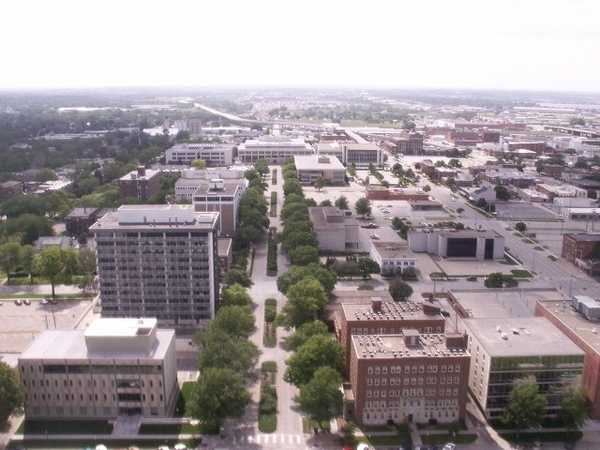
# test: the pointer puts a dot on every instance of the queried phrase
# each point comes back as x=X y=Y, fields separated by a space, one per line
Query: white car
x=449 y=446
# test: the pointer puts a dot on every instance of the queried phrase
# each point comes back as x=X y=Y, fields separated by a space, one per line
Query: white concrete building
x=393 y=257
x=115 y=367
x=312 y=167
x=466 y=244
x=215 y=154
x=272 y=148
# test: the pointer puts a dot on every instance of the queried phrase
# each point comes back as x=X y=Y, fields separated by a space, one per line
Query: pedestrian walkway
x=274 y=439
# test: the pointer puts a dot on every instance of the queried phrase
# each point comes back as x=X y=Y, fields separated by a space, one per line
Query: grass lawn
x=441 y=439
x=520 y=273
x=64 y=427
x=388 y=441
x=544 y=436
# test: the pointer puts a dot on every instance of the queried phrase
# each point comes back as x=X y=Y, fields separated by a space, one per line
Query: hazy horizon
x=495 y=45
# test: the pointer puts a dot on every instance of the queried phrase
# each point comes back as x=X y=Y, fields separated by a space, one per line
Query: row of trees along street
x=317 y=365
x=227 y=358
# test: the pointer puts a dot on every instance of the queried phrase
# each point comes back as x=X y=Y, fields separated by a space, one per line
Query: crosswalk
x=297 y=440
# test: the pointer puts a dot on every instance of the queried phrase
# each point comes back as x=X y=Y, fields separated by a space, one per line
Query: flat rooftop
x=586 y=330
x=520 y=336
x=390 y=310
x=156 y=217
x=71 y=344
x=120 y=327
x=230 y=187
x=393 y=250
x=318 y=162
x=386 y=346
x=488 y=303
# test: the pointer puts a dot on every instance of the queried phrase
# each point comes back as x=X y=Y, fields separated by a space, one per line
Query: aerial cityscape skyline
x=509 y=45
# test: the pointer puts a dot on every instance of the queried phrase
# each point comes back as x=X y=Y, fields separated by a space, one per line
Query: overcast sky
x=493 y=44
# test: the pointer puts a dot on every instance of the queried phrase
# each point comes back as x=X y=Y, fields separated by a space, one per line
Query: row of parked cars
x=27 y=302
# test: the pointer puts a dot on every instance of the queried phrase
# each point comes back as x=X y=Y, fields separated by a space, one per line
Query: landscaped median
x=267 y=407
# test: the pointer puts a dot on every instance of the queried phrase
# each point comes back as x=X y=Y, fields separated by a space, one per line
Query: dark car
x=472 y=279
x=18 y=302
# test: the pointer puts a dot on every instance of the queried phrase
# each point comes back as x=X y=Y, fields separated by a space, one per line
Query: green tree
x=592 y=193
x=306 y=300
x=50 y=264
x=575 y=408
x=238 y=321
x=326 y=202
x=426 y=188
x=238 y=276
x=303 y=255
x=526 y=406
x=348 y=433
x=289 y=209
x=294 y=240
x=45 y=175
x=235 y=295
x=319 y=351
x=494 y=280
x=321 y=398
x=11 y=392
x=367 y=266
x=521 y=227
x=320 y=183
x=501 y=192
x=86 y=259
x=326 y=277
x=400 y=290
x=246 y=235
x=304 y=332
x=219 y=393
x=262 y=167
x=342 y=202
x=10 y=255
x=220 y=349
x=27 y=260
x=362 y=206
x=199 y=164
x=577 y=121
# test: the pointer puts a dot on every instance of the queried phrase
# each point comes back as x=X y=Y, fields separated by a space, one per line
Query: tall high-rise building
x=158 y=261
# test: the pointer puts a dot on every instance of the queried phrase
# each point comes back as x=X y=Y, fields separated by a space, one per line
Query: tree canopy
x=235 y=295
x=306 y=301
x=237 y=321
x=303 y=255
x=238 y=276
x=319 y=351
x=526 y=407
x=11 y=392
x=220 y=349
x=362 y=206
x=321 y=398
x=304 y=332
x=326 y=277
x=220 y=393
x=400 y=290
x=575 y=408
x=341 y=202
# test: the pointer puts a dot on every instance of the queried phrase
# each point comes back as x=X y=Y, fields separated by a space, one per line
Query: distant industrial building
x=158 y=261
x=115 y=367
x=10 y=189
x=362 y=154
x=580 y=249
x=381 y=193
x=505 y=351
x=141 y=184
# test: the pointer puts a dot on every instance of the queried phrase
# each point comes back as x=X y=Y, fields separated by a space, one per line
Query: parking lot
x=19 y=325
